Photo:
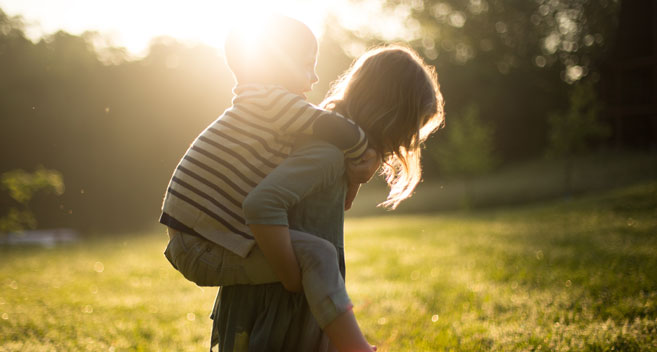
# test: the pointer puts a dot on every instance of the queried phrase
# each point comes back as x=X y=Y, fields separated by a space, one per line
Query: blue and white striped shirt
x=235 y=152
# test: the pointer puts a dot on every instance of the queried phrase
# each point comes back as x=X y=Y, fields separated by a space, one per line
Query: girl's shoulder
x=321 y=153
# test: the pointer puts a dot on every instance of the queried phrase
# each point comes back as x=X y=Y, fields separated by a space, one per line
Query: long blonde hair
x=395 y=98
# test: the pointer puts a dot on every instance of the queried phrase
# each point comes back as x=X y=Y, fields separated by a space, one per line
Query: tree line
x=114 y=128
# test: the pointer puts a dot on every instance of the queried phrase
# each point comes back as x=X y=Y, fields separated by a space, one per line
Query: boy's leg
x=325 y=291
x=322 y=282
x=208 y=264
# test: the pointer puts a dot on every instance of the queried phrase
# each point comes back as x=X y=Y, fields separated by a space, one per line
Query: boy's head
x=273 y=50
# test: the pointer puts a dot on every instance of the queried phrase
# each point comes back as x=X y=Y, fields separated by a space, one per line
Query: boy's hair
x=265 y=49
x=395 y=98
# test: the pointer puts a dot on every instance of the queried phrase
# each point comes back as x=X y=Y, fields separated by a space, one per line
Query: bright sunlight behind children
x=134 y=23
x=182 y=175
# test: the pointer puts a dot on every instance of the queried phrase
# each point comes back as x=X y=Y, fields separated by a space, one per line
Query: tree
x=466 y=150
x=115 y=128
x=570 y=133
x=22 y=186
x=515 y=58
x=510 y=33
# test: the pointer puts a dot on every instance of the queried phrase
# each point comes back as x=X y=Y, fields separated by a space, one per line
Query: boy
x=210 y=242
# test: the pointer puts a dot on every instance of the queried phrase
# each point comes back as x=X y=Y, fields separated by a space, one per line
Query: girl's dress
x=267 y=317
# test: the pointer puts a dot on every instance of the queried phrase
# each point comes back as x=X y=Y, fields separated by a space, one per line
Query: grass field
x=579 y=275
x=520 y=183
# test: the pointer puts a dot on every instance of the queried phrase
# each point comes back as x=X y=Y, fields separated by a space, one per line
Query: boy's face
x=303 y=77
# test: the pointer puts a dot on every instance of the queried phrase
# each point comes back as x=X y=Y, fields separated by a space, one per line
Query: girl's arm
x=305 y=171
x=274 y=242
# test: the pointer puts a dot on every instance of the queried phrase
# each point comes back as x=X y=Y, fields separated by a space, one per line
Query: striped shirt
x=235 y=152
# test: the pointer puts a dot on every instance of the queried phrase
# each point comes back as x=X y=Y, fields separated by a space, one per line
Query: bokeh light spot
x=500 y=27
x=589 y=40
x=540 y=61
x=457 y=19
x=539 y=254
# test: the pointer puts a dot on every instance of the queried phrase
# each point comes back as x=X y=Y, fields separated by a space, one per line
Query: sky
x=133 y=23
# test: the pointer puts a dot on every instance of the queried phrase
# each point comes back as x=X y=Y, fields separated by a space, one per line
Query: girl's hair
x=395 y=98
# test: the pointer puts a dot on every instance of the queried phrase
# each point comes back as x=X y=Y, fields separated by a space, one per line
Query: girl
x=395 y=98
x=211 y=244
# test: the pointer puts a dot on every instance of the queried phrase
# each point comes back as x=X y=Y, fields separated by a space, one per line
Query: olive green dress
x=308 y=190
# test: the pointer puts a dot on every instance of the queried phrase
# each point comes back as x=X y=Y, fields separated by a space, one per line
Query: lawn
x=518 y=183
x=578 y=275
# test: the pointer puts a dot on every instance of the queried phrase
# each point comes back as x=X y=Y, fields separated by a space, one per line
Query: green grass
x=520 y=183
x=112 y=294
x=577 y=275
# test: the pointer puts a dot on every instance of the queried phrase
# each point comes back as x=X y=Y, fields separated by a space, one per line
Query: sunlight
x=197 y=22
x=133 y=24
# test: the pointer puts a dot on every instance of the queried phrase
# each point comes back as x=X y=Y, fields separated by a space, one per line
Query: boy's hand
x=352 y=191
x=360 y=171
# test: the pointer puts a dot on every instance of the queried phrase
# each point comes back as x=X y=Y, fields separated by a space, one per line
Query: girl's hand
x=360 y=171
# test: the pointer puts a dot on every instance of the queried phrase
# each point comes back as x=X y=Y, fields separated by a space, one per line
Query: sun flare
x=133 y=24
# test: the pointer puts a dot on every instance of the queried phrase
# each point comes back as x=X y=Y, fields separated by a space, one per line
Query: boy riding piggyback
x=212 y=242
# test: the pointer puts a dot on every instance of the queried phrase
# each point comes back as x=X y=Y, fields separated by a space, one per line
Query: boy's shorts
x=208 y=264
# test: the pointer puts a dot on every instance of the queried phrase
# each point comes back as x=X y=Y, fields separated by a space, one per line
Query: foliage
x=508 y=86
x=22 y=186
x=511 y=33
x=467 y=149
x=515 y=58
x=580 y=276
x=570 y=133
x=17 y=220
x=536 y=180
x=117 y=127
x=115 y=130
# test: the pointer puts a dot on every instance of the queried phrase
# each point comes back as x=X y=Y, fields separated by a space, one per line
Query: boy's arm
x=288 y=113
x=360 y=171
x=343 y=133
